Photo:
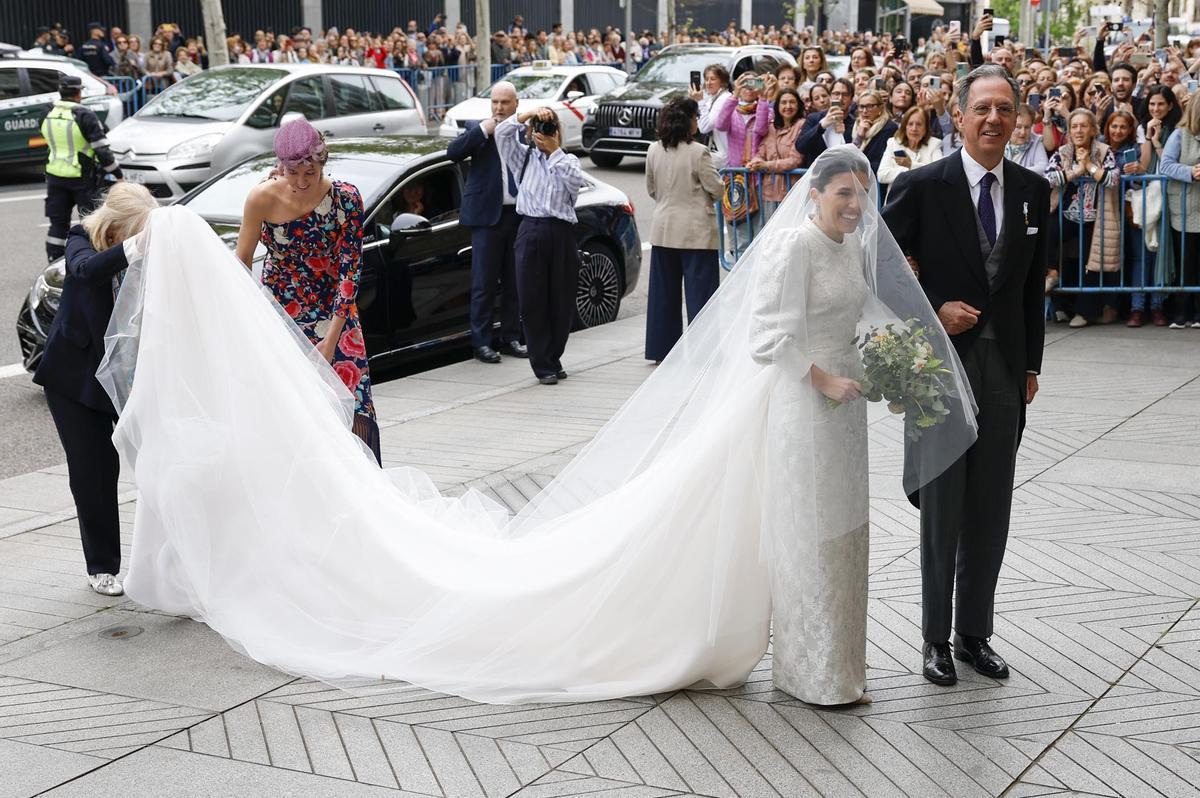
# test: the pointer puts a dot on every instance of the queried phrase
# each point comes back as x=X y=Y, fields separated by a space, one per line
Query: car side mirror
x=572 y=96
x=410 y=224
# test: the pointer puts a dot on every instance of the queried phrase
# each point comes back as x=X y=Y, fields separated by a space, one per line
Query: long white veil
x=640 y=569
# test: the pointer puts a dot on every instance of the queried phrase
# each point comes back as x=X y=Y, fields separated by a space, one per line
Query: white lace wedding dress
x=812 y=289
x=641 y=568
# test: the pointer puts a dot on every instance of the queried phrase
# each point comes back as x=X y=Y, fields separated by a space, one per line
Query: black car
x=415 y=287
x=625 y=119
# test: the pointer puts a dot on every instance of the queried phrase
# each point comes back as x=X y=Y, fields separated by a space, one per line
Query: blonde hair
x=1190 y=121
x=125 y=211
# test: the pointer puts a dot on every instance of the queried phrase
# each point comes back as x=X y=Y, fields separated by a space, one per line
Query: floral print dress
x=312 y=269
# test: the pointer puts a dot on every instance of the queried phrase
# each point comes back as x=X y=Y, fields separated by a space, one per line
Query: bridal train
x=646 y=566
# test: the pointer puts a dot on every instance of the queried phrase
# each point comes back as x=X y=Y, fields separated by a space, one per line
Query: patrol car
x=570 y=90
x=28 y=87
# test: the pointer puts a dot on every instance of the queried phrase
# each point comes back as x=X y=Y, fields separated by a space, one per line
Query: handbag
x=740 y=198
x=1149 y=198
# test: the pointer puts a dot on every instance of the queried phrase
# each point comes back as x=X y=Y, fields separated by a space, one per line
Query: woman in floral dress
x=312 y=229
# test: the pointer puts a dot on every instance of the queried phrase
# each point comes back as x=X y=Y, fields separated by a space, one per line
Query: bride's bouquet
x=900 y=366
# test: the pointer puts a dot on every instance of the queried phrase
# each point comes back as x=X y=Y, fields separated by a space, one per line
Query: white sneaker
x=1078 y=321
x=106 y=585
x=1196 y=325
x=1178 y=325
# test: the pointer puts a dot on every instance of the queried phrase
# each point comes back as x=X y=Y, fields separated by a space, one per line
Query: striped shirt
x=551 y=183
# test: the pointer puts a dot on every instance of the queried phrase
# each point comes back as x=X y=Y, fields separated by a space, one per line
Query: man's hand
x=547 y=144
x=957 y=317
x=1031 y=388
x=488 y=126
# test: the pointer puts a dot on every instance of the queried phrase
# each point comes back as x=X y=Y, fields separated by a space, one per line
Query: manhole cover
x=121 y=632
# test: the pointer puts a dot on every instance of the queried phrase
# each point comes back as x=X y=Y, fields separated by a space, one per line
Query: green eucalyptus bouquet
x=901 y=367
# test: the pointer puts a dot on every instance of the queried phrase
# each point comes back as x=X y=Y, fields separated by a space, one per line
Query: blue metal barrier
x=131 y=91
x=1142 y=264
x=736 y=235
x=1139 y=266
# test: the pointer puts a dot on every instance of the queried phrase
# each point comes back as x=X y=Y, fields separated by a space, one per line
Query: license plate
x=134 y=176
x=625 y=132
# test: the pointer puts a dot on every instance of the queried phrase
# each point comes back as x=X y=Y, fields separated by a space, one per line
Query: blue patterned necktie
x=512 y=184
x=987 y=211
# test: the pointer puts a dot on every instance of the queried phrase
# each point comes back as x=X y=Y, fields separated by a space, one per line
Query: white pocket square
x=1030 y=231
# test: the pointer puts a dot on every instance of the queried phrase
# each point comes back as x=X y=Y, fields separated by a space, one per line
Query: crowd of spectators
x=1084 y=122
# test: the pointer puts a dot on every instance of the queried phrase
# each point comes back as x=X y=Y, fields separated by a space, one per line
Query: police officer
x=95 y=51
x=79 y=157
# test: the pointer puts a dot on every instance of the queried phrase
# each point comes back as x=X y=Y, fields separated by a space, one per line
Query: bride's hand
x=837 y=389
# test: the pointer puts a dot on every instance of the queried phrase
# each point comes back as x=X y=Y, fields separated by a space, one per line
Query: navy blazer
x=811 y=141
x=75 y=344
x=484 y=194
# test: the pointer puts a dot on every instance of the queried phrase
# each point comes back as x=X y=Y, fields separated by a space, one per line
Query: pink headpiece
x=299 y=142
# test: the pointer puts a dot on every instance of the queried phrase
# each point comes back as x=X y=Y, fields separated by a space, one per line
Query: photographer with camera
x=548 y=181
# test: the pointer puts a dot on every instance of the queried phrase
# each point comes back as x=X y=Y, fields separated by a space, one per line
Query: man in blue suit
x=489 y=208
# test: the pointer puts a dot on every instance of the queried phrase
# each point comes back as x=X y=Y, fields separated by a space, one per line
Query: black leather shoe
x=976 y=651
x=939 y=667
x=549 y=379
x=486 y=354
x=515 y=348
x=562 y=375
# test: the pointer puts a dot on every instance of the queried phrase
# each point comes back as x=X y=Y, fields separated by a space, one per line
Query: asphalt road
x=29 y=441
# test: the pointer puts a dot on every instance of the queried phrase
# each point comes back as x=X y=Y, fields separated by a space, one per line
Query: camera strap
x=524 y=164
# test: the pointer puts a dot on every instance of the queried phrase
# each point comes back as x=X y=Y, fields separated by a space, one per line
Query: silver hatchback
x=214 y=119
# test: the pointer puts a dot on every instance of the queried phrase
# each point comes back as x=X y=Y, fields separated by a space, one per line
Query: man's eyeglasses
x=986 y=110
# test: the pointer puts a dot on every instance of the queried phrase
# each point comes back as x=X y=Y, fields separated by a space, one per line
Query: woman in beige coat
x=685 y=186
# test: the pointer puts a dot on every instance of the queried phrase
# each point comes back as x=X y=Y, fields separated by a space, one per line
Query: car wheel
x=606 y=160
x=598 y=294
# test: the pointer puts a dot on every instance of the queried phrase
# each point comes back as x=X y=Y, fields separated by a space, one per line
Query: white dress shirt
x=975 y=173
x=509 y=197
x=550 y=184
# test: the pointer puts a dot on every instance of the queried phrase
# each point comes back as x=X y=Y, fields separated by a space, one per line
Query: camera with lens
x=547 y=127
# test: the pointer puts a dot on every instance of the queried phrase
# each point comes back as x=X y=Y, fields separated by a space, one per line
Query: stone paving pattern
x=1096 y=613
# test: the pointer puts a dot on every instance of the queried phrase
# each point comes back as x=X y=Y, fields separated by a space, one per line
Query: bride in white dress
x=808 y=300
x=641 y=568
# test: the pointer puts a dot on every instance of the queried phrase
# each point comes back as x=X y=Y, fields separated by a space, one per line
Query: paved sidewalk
x=1096 y=613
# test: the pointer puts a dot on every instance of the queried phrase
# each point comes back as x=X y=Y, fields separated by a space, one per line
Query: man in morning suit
x=975 y=226
x=489 y=208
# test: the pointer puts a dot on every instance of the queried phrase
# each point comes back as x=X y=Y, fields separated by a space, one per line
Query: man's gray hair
x=962 y=89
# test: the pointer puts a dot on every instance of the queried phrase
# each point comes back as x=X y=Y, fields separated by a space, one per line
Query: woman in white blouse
x=912 y=146
x=711 y=99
